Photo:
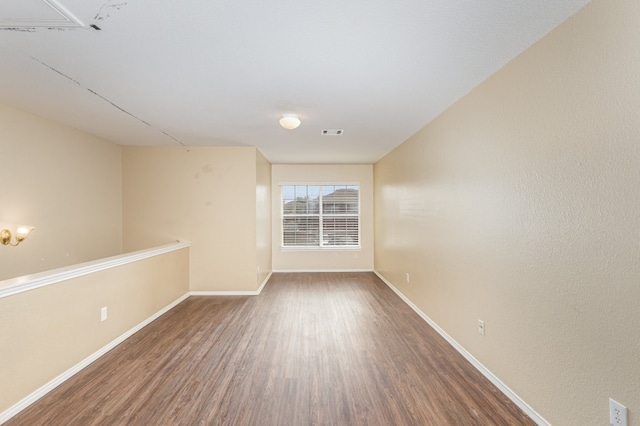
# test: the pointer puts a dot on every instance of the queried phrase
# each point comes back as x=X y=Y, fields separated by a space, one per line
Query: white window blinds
x=320 y=215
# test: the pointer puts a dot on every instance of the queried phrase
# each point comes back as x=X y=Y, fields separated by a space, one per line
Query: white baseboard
x=232 y=293
x=301 y=271
x=264 y=282
x=223 y=293
x=43 y=390
x=481 y=368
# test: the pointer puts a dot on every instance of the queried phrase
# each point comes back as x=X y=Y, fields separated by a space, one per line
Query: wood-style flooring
x=312 y=349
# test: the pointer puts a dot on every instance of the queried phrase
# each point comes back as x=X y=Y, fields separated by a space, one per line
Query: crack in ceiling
x=93 y=92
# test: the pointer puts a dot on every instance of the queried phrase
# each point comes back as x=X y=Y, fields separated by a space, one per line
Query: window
x=320 y=215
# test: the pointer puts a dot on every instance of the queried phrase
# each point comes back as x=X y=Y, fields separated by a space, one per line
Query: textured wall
x=46 y=331
x=64 y=182
x=206 y=195
x=519 y=206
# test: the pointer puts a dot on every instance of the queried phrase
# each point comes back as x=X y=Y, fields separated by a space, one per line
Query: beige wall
x=206 y=195
x=263 y=217
x=519 y=206
x=45 y=332
x=65 y=183
x=311 y=260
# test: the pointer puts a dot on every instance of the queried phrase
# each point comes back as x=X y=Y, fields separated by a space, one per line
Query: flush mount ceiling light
x=289 y=121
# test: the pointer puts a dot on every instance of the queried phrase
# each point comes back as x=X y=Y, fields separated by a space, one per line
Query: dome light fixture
x=289 y=121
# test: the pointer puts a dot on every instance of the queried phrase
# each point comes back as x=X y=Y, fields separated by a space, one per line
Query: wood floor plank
x=312 y=349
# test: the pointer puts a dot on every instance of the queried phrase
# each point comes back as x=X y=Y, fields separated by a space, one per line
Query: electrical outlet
x=617 y=413
x=103 y=314
x=406 y=277
x=481 y=327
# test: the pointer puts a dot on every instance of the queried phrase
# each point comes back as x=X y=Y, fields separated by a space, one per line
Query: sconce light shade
x=289 y=121
x=22 y=232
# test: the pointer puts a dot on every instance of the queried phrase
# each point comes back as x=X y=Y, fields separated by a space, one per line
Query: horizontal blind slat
x=304 y=207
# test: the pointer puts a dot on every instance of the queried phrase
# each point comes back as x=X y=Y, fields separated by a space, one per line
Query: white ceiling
x=221 y=72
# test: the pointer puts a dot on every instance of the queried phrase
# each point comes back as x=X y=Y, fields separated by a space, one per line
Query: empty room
x=328 y=213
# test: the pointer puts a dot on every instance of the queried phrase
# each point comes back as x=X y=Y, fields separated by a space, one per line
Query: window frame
x=321 y=245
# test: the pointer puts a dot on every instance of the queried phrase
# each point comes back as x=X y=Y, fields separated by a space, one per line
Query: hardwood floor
x=312 y=349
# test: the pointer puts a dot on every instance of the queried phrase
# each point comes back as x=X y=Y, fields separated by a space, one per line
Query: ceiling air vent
x=331 y=132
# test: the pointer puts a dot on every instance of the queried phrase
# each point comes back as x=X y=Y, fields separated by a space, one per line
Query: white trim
x=264 y=282
x=73 y=20
x=232 y=293
x=64 y=20
x=481 y=368
x=285 y=249
x=286 y=271
x=318 y=183
x=43 y=390
x=29 y=282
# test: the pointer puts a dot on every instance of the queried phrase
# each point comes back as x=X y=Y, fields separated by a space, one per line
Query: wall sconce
x=22 y=232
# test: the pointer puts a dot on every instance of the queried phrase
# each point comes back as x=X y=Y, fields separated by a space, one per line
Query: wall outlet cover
x=617 y=413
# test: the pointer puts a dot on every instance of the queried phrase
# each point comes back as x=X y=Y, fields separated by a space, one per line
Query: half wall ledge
x=29 y=282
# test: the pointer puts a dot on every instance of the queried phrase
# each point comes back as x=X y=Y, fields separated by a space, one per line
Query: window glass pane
x=300 y=199
x=288 y=197
x=313 y=206
x=340 y=199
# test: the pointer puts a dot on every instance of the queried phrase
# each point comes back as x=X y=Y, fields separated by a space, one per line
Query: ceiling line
x=106 y=100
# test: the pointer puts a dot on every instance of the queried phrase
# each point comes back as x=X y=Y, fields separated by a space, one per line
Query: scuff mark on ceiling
x=107 y=8
x=35 y=29
x=20 y=29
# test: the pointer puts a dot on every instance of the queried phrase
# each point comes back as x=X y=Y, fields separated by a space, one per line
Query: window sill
x=319 y=249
